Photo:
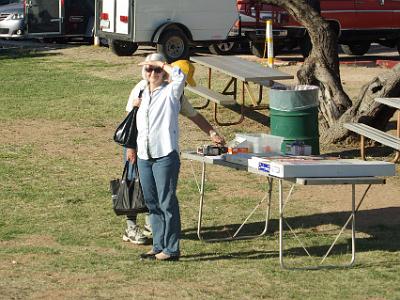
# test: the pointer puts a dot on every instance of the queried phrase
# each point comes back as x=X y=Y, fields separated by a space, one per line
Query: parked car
x=5 y=2
x=249 y=29
x=12 y=23
x=62 y=20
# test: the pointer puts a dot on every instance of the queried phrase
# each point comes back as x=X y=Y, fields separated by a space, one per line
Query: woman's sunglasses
x=151 y=69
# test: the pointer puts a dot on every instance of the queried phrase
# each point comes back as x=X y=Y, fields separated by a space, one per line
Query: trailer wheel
x=222 y=48
x=356 y=49
x=122 y=48
x=174 y=45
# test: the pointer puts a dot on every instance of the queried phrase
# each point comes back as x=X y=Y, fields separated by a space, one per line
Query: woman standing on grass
x=157 y=154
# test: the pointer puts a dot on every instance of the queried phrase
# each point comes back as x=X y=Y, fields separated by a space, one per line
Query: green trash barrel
x=294 y=115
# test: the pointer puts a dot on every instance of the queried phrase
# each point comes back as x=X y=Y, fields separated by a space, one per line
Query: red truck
x=358 y=23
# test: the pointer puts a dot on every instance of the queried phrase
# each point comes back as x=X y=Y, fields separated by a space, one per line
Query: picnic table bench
x=377 y=135
x=211 y=95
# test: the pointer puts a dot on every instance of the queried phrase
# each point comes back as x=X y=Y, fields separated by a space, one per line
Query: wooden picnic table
x=239 y=70
x=375 y=134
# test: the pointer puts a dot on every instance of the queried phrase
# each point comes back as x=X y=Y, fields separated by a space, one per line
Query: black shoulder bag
x=126 y=132
x=127 y=195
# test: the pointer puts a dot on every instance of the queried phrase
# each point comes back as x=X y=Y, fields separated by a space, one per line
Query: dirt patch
x=31 y=240
x=52 y=138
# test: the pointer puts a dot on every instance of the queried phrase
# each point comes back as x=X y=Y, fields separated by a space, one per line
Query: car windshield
x=5 y=2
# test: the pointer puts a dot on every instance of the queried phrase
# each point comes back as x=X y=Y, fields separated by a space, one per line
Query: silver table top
x=239 y=68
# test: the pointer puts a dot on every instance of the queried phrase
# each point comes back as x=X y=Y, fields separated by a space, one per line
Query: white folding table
x=283 y=201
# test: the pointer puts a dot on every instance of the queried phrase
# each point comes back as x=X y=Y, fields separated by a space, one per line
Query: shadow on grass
x=24 y=53
x=29 y=49
x=375 y=151
x=381 y=225
x=252 y=114
x=205 y=256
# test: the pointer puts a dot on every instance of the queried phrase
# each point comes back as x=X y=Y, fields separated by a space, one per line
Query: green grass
x=60 y=239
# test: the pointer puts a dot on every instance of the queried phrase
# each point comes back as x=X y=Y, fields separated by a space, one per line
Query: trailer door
x=78 y=17
x=43 y=16
x=116 y=17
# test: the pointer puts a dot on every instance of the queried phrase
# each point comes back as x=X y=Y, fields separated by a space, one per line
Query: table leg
x=281 y=224
x=353 y=224
x=231 y=93
x=235 y=235
x=248 y=90
x=209 y=86
x=351 y=218
x=397 y=157
x=267 y=213
x=256 y=104
x=203 y=179
x=234 y=94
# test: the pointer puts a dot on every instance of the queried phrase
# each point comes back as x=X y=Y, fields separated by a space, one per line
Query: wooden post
x=397 y=157
x=96 y=41
x=362 y=147
x=270 y=43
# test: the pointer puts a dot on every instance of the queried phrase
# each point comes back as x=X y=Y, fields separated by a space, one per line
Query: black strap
x=125 y=172
x=140 y=93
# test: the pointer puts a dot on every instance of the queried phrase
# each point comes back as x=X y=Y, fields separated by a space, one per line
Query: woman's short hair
x=155 y=56
x=152 y=57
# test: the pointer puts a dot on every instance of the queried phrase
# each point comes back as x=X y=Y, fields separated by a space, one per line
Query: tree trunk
x=365 y=109
x=321 y=68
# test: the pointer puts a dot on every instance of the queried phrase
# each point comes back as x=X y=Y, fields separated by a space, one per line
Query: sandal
x=149 y=255
x=165 y=257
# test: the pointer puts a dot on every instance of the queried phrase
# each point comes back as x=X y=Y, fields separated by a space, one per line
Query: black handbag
x=126 y=132
x=127 y=195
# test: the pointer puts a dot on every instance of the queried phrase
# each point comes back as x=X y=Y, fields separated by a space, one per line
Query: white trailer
x=171 y=25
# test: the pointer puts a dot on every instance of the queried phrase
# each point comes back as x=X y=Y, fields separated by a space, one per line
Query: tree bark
x=321 y=68
x=365 y=109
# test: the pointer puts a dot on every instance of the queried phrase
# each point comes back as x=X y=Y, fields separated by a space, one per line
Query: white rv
x=171 y=25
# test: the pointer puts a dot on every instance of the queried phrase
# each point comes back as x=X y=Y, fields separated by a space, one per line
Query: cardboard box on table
x=313 y=166
x=288 y=168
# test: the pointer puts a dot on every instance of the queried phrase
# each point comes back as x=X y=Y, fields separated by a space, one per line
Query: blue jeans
x=159 y=179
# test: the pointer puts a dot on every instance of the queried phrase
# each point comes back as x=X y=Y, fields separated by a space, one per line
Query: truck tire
x=222 y=48
x=257 y=49
x=356 y=49
x=174 y=45
x=398 y=46
x=122 y=48
x=315 y=4
x=305 y=46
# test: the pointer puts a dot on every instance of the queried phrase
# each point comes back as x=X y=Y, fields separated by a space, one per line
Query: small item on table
x=238 y=145
x=211 y=150
x=237 y=150
x=298 y=148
